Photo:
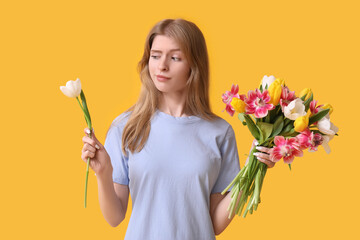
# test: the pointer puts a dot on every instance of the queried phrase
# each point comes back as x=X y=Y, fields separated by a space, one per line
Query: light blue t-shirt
x=184 y=160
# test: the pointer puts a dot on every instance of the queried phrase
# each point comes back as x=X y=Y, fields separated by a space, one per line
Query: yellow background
x=44 y=44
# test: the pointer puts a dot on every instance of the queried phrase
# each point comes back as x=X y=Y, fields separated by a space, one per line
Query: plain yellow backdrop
x=44 y=44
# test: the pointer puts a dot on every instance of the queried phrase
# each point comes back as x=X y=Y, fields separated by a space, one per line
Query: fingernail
x=256 y=154
x=97 y=146
x=256 y=143
x=87 y=131
x=258 y=148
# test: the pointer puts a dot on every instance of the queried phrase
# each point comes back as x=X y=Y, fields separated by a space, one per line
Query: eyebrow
x=171 y=50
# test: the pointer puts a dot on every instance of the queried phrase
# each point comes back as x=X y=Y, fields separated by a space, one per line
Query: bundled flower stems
x=280 y=120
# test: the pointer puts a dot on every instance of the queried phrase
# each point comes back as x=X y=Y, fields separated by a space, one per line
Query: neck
x=172 y=104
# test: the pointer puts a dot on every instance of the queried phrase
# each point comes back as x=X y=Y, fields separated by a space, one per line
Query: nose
x=163 y=65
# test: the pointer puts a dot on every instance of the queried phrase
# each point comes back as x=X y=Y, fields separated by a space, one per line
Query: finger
x=89 y=154
x=87 y=131
x=263 y=149
x=85 y=155
x=91 y=141
x=269 y=163
x=89 y=148
x=262 y=155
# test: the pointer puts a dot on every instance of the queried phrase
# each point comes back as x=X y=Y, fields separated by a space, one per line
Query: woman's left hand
x=263 y=155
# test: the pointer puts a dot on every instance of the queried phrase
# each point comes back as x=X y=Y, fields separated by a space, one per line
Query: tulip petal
x=66 y=91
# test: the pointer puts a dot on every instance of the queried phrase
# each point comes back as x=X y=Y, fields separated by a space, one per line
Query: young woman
x=168 y=150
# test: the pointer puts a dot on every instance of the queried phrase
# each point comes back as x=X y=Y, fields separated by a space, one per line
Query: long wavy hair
x=192 y=43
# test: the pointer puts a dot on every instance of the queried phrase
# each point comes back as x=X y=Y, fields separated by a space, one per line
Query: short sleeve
x=230 y=165
x=118 y=161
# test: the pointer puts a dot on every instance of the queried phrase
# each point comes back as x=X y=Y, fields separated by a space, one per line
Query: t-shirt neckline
x=180 y=120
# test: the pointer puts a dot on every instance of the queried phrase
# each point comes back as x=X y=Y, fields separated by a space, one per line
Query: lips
x=161 y=78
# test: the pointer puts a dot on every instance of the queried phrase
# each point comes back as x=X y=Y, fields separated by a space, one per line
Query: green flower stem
x=87 y=118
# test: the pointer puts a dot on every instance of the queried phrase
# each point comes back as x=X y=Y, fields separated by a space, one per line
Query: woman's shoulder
x=217 y=125
x=120 y=121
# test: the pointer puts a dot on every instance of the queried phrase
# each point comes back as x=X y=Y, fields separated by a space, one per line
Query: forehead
x=163 y=43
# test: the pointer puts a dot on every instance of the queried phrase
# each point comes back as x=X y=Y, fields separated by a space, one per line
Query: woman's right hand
x=99 y=159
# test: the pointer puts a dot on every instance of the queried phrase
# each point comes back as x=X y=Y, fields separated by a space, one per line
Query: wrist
x=105 y=174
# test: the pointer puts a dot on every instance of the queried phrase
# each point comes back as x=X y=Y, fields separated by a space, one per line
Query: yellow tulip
x=328 y=106
x=280 y=81
x=307 y=92
x=275 y=92
x=238 y=105
x=301 y=123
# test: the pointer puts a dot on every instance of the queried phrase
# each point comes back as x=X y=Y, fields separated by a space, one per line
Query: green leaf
x=266 y=129
x=252 y=127
x=242 y=118
x=267 y=118
x=287 y=129
x=83 y=100
x=318 y=116
x=278 y=126
x=261 y=88
x=273 y=113
x=307 y=102
x=289 y=166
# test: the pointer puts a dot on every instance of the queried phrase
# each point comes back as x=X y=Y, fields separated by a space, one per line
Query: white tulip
x=72 y=89
x=325 y=126
x=295 y=109
x=325 y=143
x=267 y=81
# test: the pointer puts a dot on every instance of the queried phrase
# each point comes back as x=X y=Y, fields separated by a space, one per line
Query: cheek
x=151 y=69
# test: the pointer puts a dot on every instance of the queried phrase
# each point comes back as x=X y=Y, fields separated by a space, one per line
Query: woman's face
x=168 y=66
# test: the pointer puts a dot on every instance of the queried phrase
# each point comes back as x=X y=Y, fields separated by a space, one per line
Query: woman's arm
x=218 y=211
x=219 y=203
x=113 y=199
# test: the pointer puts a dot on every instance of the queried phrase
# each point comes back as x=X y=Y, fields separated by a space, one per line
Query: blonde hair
x=192 y=43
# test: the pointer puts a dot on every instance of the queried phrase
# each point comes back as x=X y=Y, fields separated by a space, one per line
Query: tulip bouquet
x=73 y=90
x=280 y=120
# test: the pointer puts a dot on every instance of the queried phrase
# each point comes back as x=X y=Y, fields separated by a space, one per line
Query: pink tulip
x=307 y=139
x=286 y=149
x=313 y=108
x=257 y=103
x=286 y=97
x=228 y=96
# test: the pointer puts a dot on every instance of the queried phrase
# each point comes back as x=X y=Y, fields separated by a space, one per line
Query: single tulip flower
x=267 y=81
x=301 y=123
x=257 y=103
x=325 y=126
x=328 y=106
x=285 y=149
x=295 y=109
x=238 y=105
x=275 y=90
x=280 y=81
x=307 y=92
x=228 y=96
x=286 y=97
x=73 y=90
x=325 y=143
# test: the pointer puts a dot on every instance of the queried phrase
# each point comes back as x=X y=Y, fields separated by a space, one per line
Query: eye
x=176 y=58
x=154 y=57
